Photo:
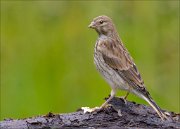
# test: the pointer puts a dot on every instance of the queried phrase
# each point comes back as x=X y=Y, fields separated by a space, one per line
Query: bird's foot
x=123 y=98
x=95 y=109
x=90 y=110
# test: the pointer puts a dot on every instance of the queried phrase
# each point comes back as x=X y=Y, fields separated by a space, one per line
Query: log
x=118 y=115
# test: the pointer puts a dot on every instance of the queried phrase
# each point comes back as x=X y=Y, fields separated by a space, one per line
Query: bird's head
x=103 y=25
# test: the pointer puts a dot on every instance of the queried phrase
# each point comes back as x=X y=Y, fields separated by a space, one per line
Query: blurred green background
x=47 y=54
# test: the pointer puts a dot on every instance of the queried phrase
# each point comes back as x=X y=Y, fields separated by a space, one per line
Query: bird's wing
x=118 y=58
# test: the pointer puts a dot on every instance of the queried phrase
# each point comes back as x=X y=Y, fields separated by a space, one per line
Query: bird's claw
x=123 y=99
x=90 y=110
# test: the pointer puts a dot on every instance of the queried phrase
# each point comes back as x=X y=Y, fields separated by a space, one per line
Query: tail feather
x=151 y=102
x=155 y=107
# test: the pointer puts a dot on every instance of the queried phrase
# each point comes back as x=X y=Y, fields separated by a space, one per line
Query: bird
x=116 y=65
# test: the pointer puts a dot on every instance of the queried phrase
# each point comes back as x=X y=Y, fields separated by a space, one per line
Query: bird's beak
x=92 y=25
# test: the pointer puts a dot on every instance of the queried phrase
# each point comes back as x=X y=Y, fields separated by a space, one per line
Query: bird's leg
x=125 y=97
x=113 y=92
x=96 y=109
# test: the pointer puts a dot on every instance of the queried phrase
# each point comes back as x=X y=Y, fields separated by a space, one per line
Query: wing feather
x=118 y=58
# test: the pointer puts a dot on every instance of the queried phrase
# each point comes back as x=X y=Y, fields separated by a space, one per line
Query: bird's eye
x=101 y=22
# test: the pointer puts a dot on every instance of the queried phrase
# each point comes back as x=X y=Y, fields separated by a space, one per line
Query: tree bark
x=119 y=115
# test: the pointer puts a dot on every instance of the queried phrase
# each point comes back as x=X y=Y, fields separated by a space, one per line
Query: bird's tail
x=151 y=102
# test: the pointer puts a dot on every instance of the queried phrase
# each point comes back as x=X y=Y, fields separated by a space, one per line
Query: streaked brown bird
x=115 y=64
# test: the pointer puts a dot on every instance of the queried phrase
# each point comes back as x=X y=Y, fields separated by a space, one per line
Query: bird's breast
x=110 y=75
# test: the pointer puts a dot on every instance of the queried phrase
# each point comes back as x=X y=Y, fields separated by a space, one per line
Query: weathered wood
x=133 y=116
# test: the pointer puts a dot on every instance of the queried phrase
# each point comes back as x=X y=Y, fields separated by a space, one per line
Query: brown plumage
x=113 y=61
